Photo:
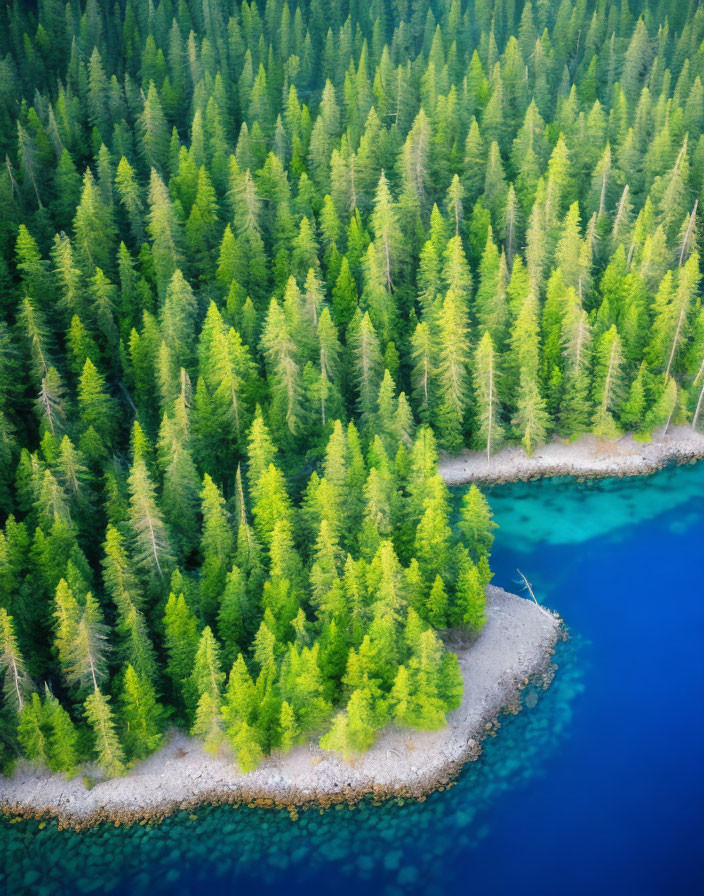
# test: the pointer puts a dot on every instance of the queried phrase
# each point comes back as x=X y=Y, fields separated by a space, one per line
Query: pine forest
x=261 y=263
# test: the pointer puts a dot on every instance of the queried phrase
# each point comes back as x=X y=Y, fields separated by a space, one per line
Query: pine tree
x=87 y=660
x=470 y=600
x=455 y=195
x=28 y=154
x=31 y=266
x=67 y=186
x=207 y=680
x=31 y=731
x=97 y=91
x=453 y=380
x=344 y=295
x=450 y=682
x=329 y=364
x=353 y=730
x=164 y=228
x=232 y=370
x=107 y=745
x=232 y=614
x=63 y=736
x=281 y=353
x=577 y=343
x=272 y=503
x=97 y=407
x=121 y=583
x=530 y=418
x=491 y=292
x=387 y=234
x=633 y=412
x=17 y=684
x=474 y=150
x=261 y=451
x=246 y=747
x=433 y=536
x=153 y=131
x=366 y=353
x=181 y=641
x=608 y=382
x=180 y=491
x=423 y=351
x=217 y=544
x=152 y=550
x=240 y=701
x=476 y=523
x=436 y=606
x=301 y=683
x=178 y=318
x=495 y=183
x=129 y=193
x=488 y=405
x=672 y=304
x=290 y=731
x=93 y=227
x=660 y=413
x=401 y=698
x=141 y=716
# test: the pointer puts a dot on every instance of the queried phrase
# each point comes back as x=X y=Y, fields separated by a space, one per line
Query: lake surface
x=597 y=786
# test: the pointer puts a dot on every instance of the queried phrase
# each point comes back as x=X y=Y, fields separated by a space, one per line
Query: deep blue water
x=596 y=787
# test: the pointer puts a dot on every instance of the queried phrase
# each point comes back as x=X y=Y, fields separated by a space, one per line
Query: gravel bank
x=515 y=644
x=587 y=457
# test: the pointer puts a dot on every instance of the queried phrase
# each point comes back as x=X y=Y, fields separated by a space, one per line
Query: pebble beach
x=514 y=646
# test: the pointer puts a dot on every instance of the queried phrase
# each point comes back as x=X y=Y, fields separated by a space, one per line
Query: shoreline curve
x=514 y=648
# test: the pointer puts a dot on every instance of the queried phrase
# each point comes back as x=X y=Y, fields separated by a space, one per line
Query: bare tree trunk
x=701 y=395
x=491 y=409
x=674 y=342
x=689 y=233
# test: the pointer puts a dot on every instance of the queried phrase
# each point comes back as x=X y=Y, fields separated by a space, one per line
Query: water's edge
x=582 y=459
x=603 y=553
x=515 y=649
x=587 y=457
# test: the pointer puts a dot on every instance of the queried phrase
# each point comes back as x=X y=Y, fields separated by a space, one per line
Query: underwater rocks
x=515 y=646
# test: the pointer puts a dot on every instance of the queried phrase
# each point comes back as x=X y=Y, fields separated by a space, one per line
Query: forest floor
x=586 y=457
x=514 y=646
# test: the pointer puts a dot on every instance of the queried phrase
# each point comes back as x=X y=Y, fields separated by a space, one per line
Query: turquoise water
x=596 y=786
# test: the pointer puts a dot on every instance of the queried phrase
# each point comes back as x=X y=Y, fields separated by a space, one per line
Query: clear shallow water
x=597 y=787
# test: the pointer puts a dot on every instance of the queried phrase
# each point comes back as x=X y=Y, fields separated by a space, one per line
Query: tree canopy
x=259 y=261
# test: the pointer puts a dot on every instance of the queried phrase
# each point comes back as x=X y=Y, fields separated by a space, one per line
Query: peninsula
x=515 y=645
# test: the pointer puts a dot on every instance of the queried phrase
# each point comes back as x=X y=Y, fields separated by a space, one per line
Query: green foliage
x=353 y=731
x=233 y=284
x=141 y=715
x=207 y=680
x=107 y=745
x=151 y=544
x=30 y=731
x=16 y=681
x=47 y=734
x=181 y=641
x=476 y=523
x=64 y=754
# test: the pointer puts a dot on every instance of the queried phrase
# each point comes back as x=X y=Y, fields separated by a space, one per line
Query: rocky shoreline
x=586 y=457
x=514 y=648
